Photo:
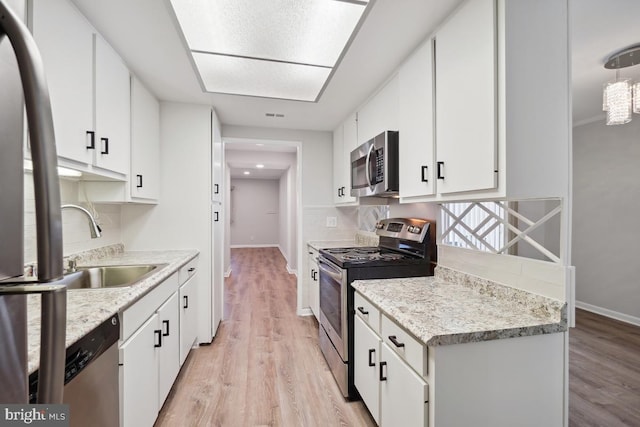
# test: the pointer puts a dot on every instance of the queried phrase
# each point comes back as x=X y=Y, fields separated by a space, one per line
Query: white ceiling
x=145 y=34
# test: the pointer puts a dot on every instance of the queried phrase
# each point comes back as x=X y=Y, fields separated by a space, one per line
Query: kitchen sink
x=110 y=276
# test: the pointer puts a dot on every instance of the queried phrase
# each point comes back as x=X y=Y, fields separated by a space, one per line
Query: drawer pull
x=363 y=311
x=395 y=341
x=382 y=377
x=372 y=351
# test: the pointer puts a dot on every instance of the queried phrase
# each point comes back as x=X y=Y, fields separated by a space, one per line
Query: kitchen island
x=455 y=349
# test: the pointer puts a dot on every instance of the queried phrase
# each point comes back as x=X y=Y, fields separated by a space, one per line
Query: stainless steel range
x=405 y=250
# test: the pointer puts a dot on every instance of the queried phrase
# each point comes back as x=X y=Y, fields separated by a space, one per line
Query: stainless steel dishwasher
x=91 y=377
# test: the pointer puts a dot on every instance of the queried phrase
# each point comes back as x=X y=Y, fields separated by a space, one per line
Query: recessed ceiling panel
x=305 y=32
x=242 y=76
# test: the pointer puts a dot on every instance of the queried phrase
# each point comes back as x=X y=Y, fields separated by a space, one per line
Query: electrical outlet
x=332 y=221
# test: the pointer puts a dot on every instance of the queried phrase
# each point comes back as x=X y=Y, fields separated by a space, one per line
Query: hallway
x=264 y=366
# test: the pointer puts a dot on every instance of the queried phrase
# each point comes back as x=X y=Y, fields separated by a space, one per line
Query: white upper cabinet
x=217 y=153
x=416 y=146
x=145 y=143
x=65 y=40
x=89 y=89
x=112 y=106
x=380 y=113
x=465 y=99
x=345 y=140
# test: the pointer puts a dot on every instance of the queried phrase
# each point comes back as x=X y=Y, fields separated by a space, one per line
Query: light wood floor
x=264 y=367
x=604 y=372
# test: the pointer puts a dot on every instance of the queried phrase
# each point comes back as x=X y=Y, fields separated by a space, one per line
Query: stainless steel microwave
x=374 y=167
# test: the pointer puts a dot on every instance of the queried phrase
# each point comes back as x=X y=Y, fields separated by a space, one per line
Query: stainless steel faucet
x=95 y=229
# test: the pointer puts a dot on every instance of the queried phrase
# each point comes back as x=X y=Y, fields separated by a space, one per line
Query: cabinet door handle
x=363 y=311
x=424 y=174
x=216 y=217
x=186 y=301
x=339 y=192
x=382 y=376
x=105 y=145
x=191 y=270
x=440 y=170
x=92 y=140
x=395 y=341
x=372 y=351
x=216 y=189
x=165 y=323
x=315 y=276
x=343 y=195
x=158 y=336
x=139 y=179
x=312 y=272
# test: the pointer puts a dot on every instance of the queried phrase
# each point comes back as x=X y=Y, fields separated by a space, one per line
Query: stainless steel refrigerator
x=23 y=88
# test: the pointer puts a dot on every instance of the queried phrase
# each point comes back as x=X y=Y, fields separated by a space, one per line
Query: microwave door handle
x=367 y=174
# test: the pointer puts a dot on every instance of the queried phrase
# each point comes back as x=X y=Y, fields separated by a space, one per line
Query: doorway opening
x=262 y=199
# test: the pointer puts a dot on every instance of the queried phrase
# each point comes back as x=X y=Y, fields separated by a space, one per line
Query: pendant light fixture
x=621 y=97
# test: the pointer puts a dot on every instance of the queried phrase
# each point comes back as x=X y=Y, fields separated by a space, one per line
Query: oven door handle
x=328 y=268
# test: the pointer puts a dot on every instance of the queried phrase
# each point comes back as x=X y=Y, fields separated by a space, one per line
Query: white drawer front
x=406 y=346
x=188 y=270
x=367 y=312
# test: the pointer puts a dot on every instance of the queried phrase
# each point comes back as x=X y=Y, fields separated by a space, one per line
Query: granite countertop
x=323 y=244
x=456 y=308
x=88 y=308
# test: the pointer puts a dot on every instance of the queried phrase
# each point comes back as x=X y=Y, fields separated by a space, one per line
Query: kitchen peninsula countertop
x=88 y=308
x=456 y=308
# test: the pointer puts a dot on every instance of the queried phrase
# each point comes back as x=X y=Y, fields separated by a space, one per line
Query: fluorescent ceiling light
x=261 y=48
x=259 y=166
x=246 y=173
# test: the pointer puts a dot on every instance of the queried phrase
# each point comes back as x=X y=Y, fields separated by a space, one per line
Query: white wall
x=316 y=161
x=606 y=201
x=75 y=225
x=182 y=219
x=255 y=212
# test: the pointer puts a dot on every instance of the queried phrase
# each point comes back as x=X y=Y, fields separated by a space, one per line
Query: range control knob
x=379 y=225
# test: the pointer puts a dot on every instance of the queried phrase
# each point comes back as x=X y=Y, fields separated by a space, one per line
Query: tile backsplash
x=75 y=226
x=368 y=216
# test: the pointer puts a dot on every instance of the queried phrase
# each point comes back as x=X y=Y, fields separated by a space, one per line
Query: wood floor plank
x=604 y=372
x=264 y=367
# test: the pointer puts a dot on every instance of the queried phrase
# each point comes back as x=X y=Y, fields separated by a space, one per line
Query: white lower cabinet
x=169 y=351
x=156 y=335
x=403 y=393
x=139 y=376
x=366 y=367
x=392 y=391
x=188 y=316
x=313 y=278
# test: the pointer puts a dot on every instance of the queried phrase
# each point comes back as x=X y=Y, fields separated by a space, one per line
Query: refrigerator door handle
x=43 y=144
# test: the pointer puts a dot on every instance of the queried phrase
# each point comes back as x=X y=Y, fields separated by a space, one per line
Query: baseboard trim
x=291 y=271
x=305 y=312
x=609 y=313
x=270 y=245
